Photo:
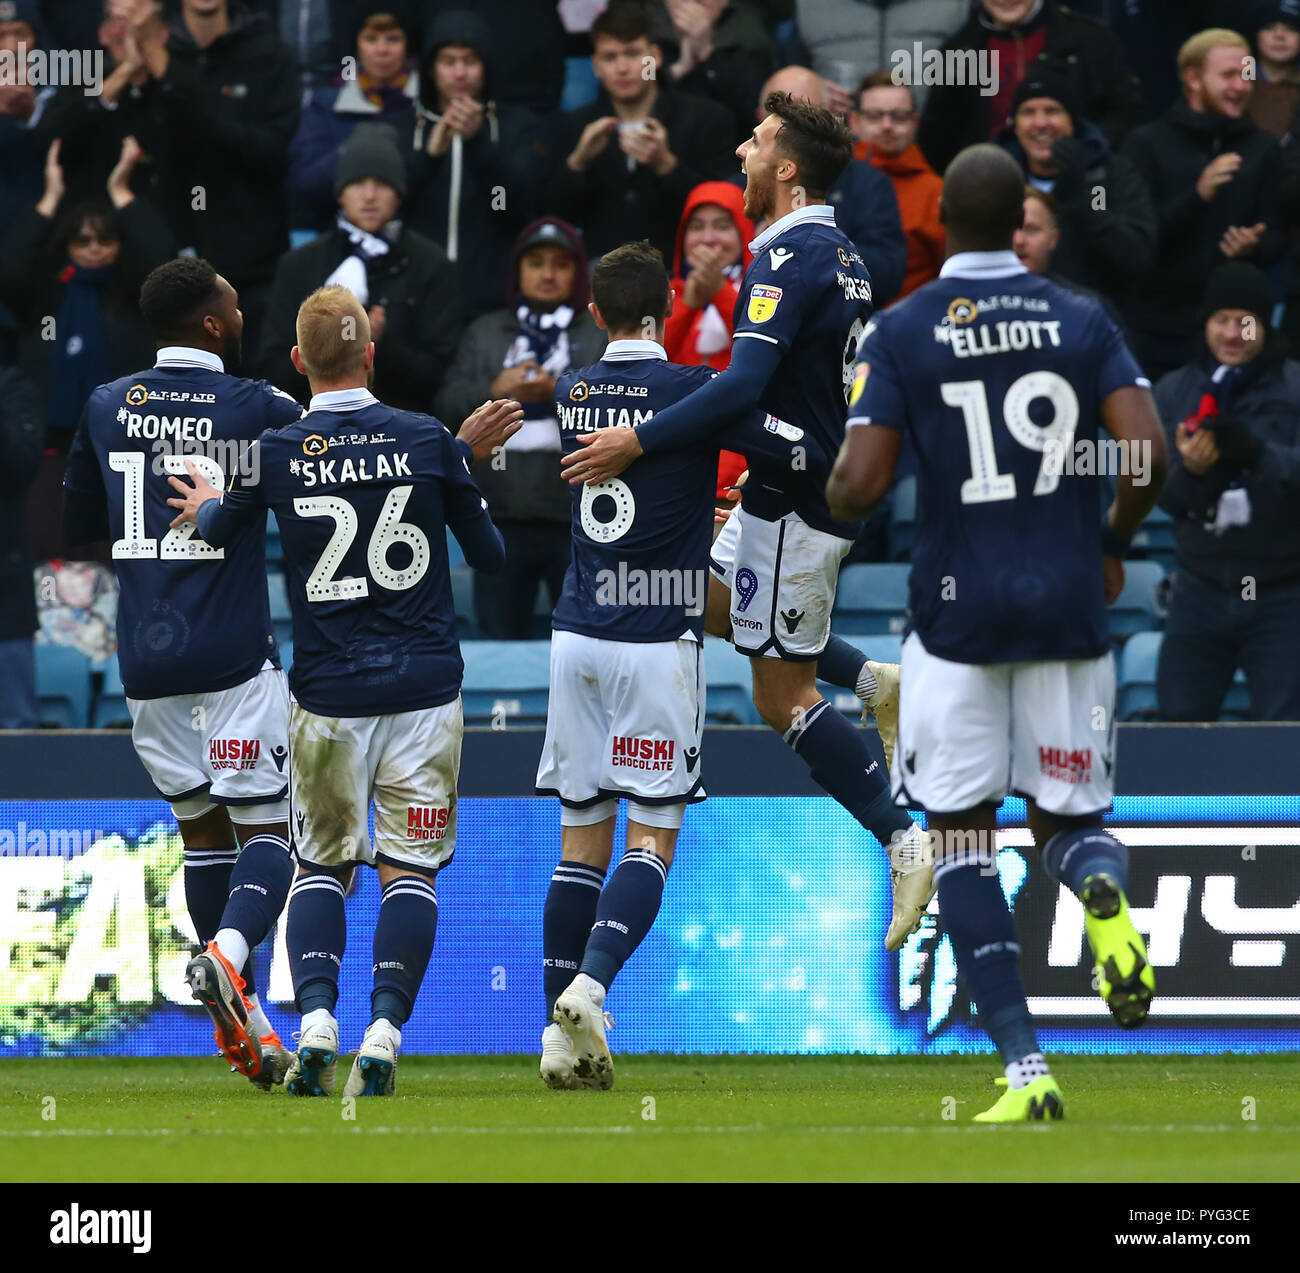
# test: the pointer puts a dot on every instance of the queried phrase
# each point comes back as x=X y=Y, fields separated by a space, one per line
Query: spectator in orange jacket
x=886 y=121
x=712 y=254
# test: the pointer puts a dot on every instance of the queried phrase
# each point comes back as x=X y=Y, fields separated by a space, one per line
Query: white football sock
x=318 y=1016
x=1023 y=1072
x=231 y=943
x=256 y=1017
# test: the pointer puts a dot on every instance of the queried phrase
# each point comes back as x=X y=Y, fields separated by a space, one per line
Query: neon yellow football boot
x=1035 y=1102
x=1125 y=979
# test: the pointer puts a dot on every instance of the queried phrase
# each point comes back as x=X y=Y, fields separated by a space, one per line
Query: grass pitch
x=679 y=1118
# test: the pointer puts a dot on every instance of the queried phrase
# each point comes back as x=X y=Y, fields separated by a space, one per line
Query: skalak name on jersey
x=993 y=372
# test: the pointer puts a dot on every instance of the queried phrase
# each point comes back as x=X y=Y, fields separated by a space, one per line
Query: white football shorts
x=968 y=733
x=228 y=747
x=624 y=720
x=407 y=762
x=782 y=578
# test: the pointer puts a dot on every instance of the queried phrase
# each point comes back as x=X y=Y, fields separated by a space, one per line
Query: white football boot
x=911 y=874
x=558 y=1059
x=311 y=1068
x=883 y=707
x=374 y=1072
x=580 y=1010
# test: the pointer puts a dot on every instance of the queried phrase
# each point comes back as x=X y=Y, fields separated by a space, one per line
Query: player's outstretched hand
x=600 y=456
x=487 y=427
x=191 y=496
x=1112 y=573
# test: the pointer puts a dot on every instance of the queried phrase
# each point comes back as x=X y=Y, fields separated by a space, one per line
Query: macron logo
x=95 y=1228
x=778 y=256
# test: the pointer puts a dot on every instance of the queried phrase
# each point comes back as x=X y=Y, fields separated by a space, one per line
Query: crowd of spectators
x=462 y=164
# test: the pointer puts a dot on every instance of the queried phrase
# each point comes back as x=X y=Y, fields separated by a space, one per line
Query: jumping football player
x=803 y=304
x=363 y=494
x=1009 y=679
x=626 y=705
x=208 y=702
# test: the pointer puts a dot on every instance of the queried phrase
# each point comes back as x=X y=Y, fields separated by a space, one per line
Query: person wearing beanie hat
x=1105 y=244
x=519 y=351
x=1232 y=416
x=406 y=283
x=1277 y=45
x=1018 y=39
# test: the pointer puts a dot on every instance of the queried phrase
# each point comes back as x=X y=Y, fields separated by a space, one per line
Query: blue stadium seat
x=580 y=85
x=872 y=597
x=462 y=595
x=455 y=555
x=1156 y=534
x=506 y=681
x=281 y=619
x=286 y=655
x=63 y=686
x=1135 y=610
x=110 y=710
x=730 y=694
x=1138 y=660
x=902 y=519
x=274 y=550
x=879 y=649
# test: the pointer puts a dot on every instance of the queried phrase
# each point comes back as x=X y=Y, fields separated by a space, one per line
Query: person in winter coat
x=1222 y=190
x=1233 y=419
x=1017 y=37
x=383 y=91
x=476 y=165
x=20 y=453
x=520 y=351
x=711 y=256
x=1104 y=213
x=1276 y=94
x=409 y=288
x=885 y=120
x=625 y=164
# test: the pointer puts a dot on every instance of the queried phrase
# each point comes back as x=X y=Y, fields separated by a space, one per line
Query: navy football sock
x=207 y=887
x=983 y=935
x=836 y=753
x=259 y=885
x=315 y=935
x=841 y=663
x=569 y=913
x=627 y=909
x=408 y=921
x=1069 y=857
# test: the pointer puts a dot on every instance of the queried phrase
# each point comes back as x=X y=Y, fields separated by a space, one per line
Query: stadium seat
x=111 y=711
x=506 y=681
x=730 y=695
x=63 y=686
x=902 y=519
x=1136 y=609
x=286 y=655
x=462 y=595
x=1138 y=660
x=879 y=649
x=274 y=550
x=580 y=85
x=455 y=554
x=1156 y=534
x=281 y=619
x=872 y=598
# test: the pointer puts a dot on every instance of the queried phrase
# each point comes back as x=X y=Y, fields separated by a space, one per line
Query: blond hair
x=333 y=332
x=1196 y=48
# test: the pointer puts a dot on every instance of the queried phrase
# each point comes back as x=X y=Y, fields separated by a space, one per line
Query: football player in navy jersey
x=1008 y=681
x=363 y=494
x=626 y=706
x=208 y=701
x=803 y=304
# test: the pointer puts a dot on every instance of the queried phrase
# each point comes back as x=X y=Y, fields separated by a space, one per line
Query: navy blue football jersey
x=994 y=373
x=191 y=618
x=639 y=570
x=363 y=494
x=807 y=292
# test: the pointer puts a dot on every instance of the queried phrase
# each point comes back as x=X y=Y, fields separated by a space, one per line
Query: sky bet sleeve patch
x=763 y=301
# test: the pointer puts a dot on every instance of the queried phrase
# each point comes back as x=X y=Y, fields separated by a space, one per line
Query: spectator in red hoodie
x=711 y=255
x=886 y=122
